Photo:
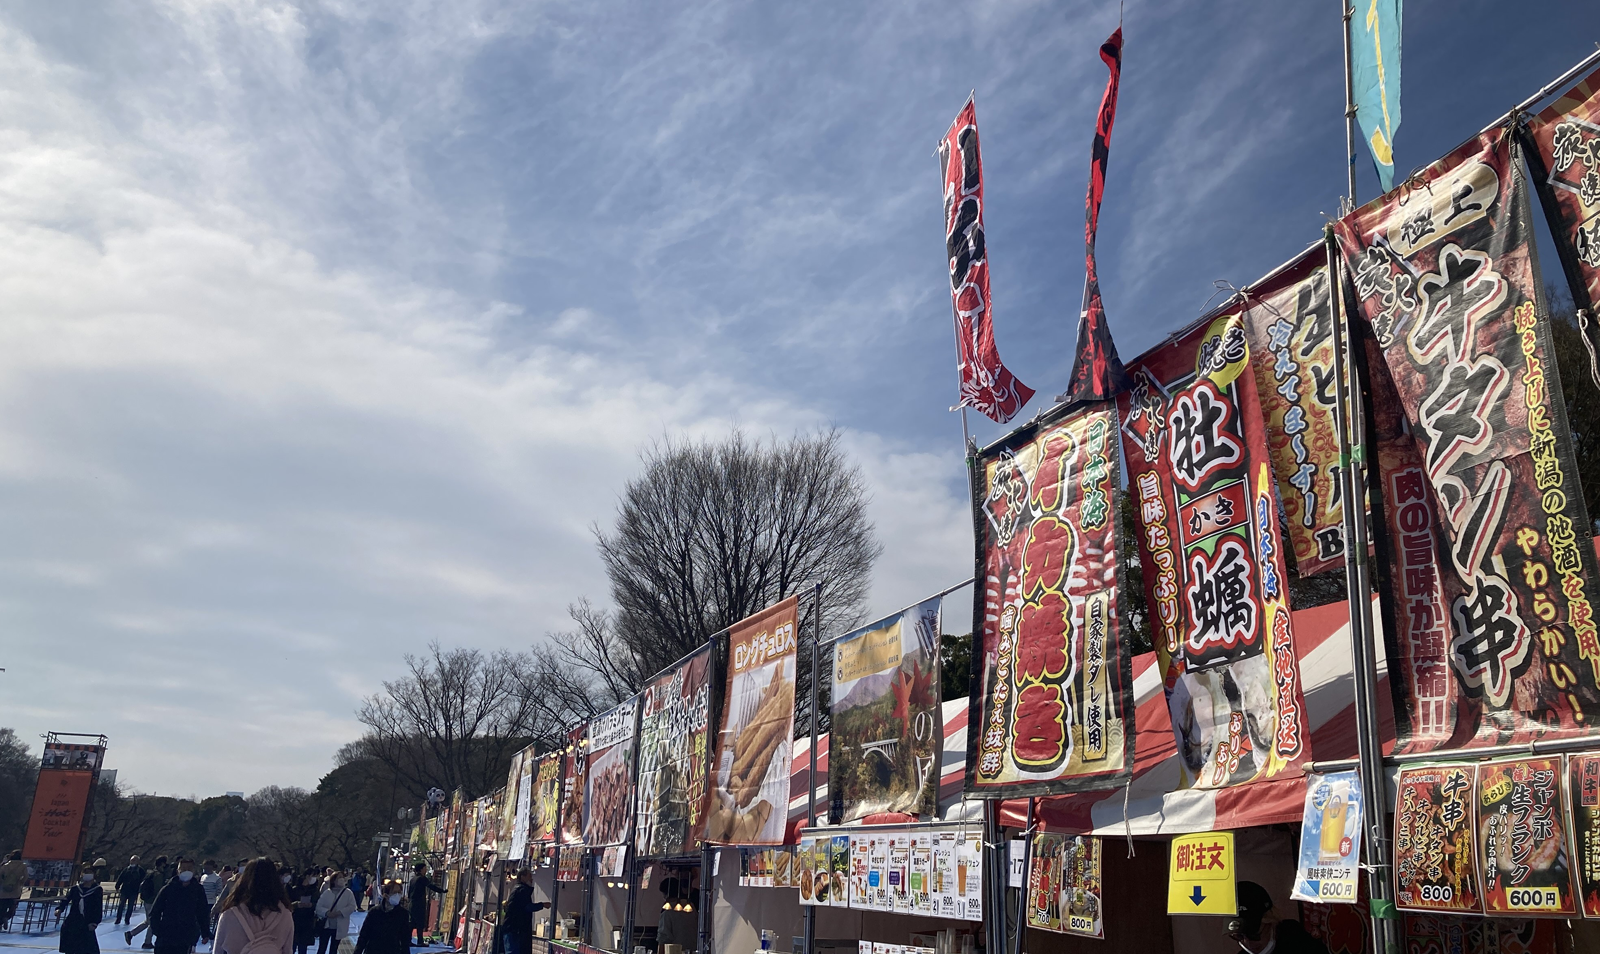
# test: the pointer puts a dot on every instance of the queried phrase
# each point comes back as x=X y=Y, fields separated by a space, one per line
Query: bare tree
x=286 y=825
x=119 y=826
x=715 y=531
x=454 y=720
x=581 y=672
x=19 y=771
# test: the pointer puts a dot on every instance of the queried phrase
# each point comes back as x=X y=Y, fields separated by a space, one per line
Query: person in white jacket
x=255 y=914
x=334 y=908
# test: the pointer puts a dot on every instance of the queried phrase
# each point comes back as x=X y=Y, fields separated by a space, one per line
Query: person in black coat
x=154 y=878
x=420 y=886
x=303 y=901
x=1259 y=930
x=128 y=881
x=516 y=923
x=85 y=906
x=180 y=915
x=387 y=928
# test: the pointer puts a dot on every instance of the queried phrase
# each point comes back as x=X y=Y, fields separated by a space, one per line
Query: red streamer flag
x=985 y=383
x=1098 y=374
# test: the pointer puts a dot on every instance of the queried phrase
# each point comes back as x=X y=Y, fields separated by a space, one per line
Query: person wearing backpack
x=387 y=927
x=128 y=881
x=334 y=909
x=180 y=915
x=255 y=915
x=84 y=906
x=11 y=876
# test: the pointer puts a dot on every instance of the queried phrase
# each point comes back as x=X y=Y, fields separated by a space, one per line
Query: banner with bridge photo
x=887 y=732
x=1052 y=685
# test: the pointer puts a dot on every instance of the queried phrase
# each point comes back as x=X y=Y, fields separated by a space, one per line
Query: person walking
x=516 y=920
x=255 y=917
x=303 y=902
x=154 y=880
x=180 y=916
x=387 y=927
x=84 y=905
x=128 y=881
x=358 y=884
x=334 y=908
x=12 y=874
x=421 y=884
x=228 y=878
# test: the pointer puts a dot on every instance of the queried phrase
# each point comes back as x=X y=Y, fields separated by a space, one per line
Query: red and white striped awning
x=1153 y=805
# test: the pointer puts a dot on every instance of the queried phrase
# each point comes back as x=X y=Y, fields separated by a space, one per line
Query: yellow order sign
x=1200 y=874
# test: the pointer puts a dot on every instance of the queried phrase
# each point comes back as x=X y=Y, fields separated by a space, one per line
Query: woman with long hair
x=256 y=913
x=84 y=907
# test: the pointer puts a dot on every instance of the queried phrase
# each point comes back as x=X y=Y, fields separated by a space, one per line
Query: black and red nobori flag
x=986 y=384
x=1098 y=373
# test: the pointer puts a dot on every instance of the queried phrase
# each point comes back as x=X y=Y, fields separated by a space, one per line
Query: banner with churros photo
x=608 y=785
x=750 y=788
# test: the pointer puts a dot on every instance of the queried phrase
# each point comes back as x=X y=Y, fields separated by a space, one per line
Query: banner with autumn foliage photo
x=1214 y=572
x=1052 y=682
x=887 y=732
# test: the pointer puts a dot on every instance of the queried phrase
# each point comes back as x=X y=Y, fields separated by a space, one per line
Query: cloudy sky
x=330 y=329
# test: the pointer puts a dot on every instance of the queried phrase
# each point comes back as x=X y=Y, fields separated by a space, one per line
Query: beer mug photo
x=1335 y=811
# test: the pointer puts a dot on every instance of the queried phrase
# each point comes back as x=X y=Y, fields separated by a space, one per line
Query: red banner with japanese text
x=1566 y=166
x=1213 y=565
x=574 y=784
x=1435 y=848
x=1583 y=820
x=1290 y=323
x=1445 y=276
x=1522 y=839
x=1052 y=686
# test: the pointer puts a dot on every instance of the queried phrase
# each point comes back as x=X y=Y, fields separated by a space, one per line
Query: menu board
x=1435 y=853
x=878 y=897
x=922 y=873
x=608 y=784
x=944 y=874
x=860 y=893
x=840 y=859
x=1330 y=839
x=1044 y=882
x=900 y=873
x=969 y=877
x=1583 y=819
x=806 y=873
x=569 y=863
x=1522 y=839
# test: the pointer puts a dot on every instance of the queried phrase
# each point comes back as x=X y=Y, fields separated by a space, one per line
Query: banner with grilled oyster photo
x=750 y=790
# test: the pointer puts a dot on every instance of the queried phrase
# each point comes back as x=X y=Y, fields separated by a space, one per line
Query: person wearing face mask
x=84 y=906
x=516 y=920
x=303 y=901
x=334 y=908
x=1259 y=930
x=154 y=880
x=229 y=878
x=180 y=915
x=387 y=928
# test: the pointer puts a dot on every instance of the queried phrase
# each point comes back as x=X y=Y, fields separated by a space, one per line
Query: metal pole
x=707 y=897
x=1022 y=894
x=555 y=879
x=1348 y=12
x=1350 y=424
x=811 y=776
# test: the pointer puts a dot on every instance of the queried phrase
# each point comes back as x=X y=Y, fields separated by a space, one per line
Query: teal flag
x=1375 y=72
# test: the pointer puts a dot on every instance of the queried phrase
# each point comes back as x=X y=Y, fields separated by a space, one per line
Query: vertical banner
x=751 y=787
x=1330 y=840
x=1044 y=882
x=1290 y=323
x=63 y=792
x=574 y=785
x=1435 y=850
x=887 y=733
x=1446 y=277
x=986 y=384
x=520 y=806
x=806 y=871
x=839 y=859
x=546 y=800
x=1566 y=164
x=608 y=783
x=1052 y=687
x=1375 y=80
x=1214 y=570
x=674 y=753
x=1583 y=820
x=1522 y=839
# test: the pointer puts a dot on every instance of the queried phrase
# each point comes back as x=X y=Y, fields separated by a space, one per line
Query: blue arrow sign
x=1197 y=897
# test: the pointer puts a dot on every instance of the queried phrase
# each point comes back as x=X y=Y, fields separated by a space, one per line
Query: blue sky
x=330 y=329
